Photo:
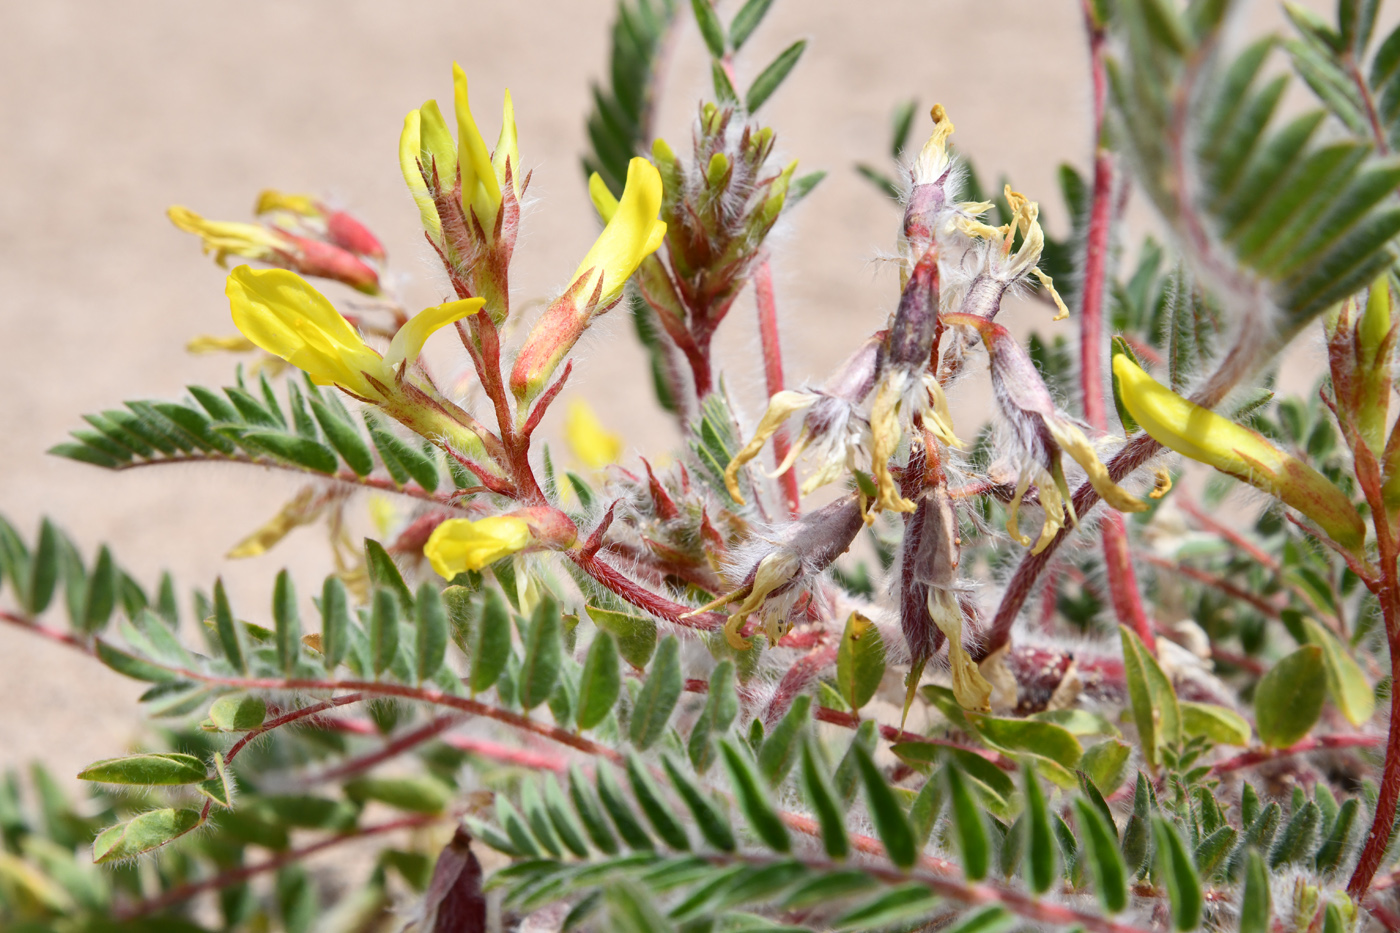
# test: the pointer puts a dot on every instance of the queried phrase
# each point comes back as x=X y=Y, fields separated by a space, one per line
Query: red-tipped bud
x=349 y=234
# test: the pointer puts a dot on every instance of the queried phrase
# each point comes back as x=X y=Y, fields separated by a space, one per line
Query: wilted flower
x=1001 y=266
x=932 y=211
x=835 y=430
x=799 y=552
x=1202 y=435
x=632 y=233
x=1043 y=434
x=929 y=594
x=908 y=386
x=277 y=247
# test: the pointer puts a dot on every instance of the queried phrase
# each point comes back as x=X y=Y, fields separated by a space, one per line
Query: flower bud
x=1204 y=436
x=278 y=248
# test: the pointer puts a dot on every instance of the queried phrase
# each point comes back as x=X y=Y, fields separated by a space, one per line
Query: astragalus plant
x=847 y=660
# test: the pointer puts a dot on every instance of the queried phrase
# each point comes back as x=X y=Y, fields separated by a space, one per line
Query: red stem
x=1316 y=743
x=640 y=596
x=773 y=374
x=1387 y=591
x=1118 y=561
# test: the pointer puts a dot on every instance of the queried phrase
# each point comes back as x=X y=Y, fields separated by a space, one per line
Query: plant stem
x=1123 y=587
x=236 y=875
x=773 y=374
x=1312 y=744
x=1386 y=588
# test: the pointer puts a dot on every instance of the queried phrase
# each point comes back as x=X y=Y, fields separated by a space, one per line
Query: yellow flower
x=224 y=239
x=430 y=159
x=1202 y=435
x=633 y=232
x=281 y=313
x=460 y=544
x=593 y=444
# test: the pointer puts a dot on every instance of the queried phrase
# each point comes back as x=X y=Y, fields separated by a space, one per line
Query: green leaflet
x=430 y=644
x=147 y=769
x=773 y=75
x=1179 y=875
x=970 y=828
x=781 y=747
x=1288 y=699
x=600 y=682
x=383 y=631
x=287 y=622
x=230 y=639
x=636 y=635
x=1155 y=708
x=860 y=661
x=1105 y=861
x=1222 y=726
x=143 y=833
x=239 y=712
x=752 y=799
x=419 y=794
x=891 y=823
x=544 y=654
x=658 y=696
x=490 y=641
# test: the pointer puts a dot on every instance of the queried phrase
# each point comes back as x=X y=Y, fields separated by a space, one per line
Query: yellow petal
x=460 y=544
x=252 y=241
x=1202 y=435
x=933 y=159
x=970 y=688
x=633 y=233
x=409 y=340
x=508 y=148
x=303 y=205
x=285 y=316
x=593 y=444
x=780 y=407
x=1073 y=442
x=481 y=190
x=438 y=150
x=410 y=151
x=603 y=201
x=885 y=434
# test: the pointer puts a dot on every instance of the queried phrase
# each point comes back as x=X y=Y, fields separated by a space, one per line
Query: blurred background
x=111 y=112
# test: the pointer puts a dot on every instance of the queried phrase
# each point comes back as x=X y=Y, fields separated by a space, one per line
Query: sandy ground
x=110 y=112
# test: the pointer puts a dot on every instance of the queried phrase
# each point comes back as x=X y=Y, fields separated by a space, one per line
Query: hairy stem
x=773 y=374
